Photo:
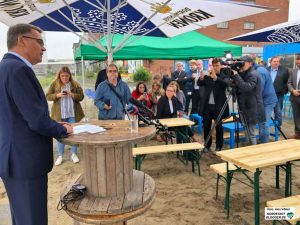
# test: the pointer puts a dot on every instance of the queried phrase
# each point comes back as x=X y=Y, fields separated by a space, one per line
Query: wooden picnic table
x=176 y=122
x=115 y=192
x=256 y=157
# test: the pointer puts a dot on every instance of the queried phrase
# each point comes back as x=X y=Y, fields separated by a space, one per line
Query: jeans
x=264 y=127
x=278 y=110
x=61 y=146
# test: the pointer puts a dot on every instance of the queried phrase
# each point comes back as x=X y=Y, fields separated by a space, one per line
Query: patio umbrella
x=164 y=18
x=288 y=32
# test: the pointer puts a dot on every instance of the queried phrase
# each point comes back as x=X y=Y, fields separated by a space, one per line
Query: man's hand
x=201 y=75
x=107 y=107
x=69 y=127
x=296 y=93
x=213 y=75
x=234 y=72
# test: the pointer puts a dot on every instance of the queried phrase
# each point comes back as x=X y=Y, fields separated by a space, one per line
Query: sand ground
x=182 y=198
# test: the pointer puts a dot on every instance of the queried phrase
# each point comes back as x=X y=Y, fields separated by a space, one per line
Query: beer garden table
x=257 y=157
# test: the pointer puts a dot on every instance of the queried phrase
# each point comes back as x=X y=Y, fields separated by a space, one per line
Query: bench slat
x=220 y=168
x=293 y=201
x=166 y=148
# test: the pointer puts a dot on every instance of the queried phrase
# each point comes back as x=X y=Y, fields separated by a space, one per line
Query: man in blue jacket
x=269 y=100
x=26 y=130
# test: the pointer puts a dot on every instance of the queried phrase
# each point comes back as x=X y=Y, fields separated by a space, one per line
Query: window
x=223 y=25
x=249 y=26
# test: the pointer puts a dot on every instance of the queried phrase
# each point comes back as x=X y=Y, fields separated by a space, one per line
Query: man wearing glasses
x=26 y=130
x=102 y=75
x=111 y=96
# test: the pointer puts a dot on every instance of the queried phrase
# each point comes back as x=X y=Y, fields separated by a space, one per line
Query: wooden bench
x=289 y=202
x=221 y=171
x=141 y=152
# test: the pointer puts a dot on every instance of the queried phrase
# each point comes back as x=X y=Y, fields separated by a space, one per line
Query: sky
x=58 y=44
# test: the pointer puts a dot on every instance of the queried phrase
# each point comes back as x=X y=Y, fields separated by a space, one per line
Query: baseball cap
x=247 y=58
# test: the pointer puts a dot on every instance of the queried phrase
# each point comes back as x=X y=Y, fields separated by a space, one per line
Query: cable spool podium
x=115 y=192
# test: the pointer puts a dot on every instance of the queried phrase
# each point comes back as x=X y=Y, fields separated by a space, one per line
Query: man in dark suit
x=26 y=130
x=280 y=76
x=181 y=77
x=294 y=88
x=213 y=99
x=102 y=75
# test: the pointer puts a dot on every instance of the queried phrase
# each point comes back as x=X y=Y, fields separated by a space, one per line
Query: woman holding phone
x=66 y=95
x=140 y=93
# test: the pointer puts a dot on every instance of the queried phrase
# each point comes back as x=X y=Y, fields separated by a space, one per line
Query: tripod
x=241 y=118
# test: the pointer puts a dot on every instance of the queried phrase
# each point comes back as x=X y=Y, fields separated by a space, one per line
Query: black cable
x=76 y=193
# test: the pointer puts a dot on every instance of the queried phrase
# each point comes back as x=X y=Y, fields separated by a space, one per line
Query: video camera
x=235 y=64
x=231 y=64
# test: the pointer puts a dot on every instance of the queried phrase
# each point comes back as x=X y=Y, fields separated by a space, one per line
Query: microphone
x=132 y=109
x=140 y=105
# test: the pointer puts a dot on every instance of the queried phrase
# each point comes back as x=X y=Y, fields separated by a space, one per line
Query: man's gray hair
x=179 y=63
x=17 y=30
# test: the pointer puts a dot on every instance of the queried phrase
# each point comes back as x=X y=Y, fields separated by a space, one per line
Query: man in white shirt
x=294 y=88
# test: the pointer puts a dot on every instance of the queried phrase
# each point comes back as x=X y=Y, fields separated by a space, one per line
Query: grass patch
x=45 y=81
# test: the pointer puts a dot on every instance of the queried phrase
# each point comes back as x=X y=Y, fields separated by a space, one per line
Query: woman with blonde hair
x=66 y=95
x=179 y=93
x=155 y=93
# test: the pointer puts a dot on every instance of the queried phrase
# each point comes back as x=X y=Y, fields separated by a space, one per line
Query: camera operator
x=213 y=99
x=248 y=84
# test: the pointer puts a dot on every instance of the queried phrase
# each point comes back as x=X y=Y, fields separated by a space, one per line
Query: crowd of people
x=259 y=91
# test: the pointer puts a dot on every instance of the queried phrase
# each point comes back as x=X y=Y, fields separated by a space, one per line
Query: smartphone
x=107 y=102
x=65 y=92
x=145 y=94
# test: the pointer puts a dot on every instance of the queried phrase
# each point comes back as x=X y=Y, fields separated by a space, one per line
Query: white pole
x=83 y=88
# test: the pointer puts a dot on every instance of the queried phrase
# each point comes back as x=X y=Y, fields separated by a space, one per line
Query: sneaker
x=74 y=158
x=59 y=161
x=218 y=149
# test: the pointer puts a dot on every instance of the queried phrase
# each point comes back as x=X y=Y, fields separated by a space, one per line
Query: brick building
x=248 y=24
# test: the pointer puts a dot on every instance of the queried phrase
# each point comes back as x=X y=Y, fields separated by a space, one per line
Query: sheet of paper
x=92 y=129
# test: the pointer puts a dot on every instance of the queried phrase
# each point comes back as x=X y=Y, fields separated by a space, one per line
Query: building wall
x=159 y=66
x=236 y=27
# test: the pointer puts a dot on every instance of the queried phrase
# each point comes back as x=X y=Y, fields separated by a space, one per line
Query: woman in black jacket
x=168 y=106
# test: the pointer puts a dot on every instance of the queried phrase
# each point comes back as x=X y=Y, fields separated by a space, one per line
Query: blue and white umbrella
x=288 y=32
x=164 y=18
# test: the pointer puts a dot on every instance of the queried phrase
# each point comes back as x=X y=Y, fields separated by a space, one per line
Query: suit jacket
x=181 y=78
x=281 y=79
x=292 y=85
x=218 y=87
x=26 y=130
x=163 y=108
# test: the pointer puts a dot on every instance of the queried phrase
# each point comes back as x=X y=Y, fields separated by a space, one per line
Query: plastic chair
x=196 y=117
x=90 y=93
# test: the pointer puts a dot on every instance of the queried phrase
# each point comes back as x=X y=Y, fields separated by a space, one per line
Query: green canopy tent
x=191 y=45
